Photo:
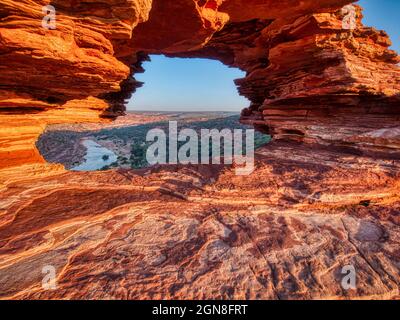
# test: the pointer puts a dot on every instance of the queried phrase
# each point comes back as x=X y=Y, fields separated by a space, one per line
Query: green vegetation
x=135 y=138
x=138 y=156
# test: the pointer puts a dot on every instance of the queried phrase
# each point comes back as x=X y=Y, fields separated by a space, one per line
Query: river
x=94 y=157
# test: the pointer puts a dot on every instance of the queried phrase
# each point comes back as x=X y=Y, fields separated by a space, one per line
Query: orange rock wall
x=306 y=76
x=326 y=198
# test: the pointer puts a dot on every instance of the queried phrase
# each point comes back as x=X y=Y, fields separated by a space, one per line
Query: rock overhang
x=304 y=72
x=327 y=198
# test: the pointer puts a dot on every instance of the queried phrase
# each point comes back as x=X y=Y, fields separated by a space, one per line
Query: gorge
x=325 y=192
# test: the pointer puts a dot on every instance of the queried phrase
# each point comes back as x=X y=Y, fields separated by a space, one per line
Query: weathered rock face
x=327 y=85
x=53 y=76
x=307 y=78
x=284 y=232
x=325 y=194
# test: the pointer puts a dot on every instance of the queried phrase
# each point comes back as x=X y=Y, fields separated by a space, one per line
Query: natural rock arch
x=325 y=193
x=305 y=73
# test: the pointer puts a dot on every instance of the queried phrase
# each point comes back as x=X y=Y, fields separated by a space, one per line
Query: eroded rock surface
x=325 y=194
x=285 y=232
x=306 y=77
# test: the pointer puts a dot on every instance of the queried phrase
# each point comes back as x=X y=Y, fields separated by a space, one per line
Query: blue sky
x=207 y=85
x=187 y=85
x=383 y=15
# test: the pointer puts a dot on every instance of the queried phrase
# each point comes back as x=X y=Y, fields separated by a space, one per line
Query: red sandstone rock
x=305 y=74
x=325 y=194
x=285 y=232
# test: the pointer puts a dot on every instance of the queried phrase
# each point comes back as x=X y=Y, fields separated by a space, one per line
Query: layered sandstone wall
x=325 y=199
x=308 y=79
x=56 y=76
x=328 y=85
